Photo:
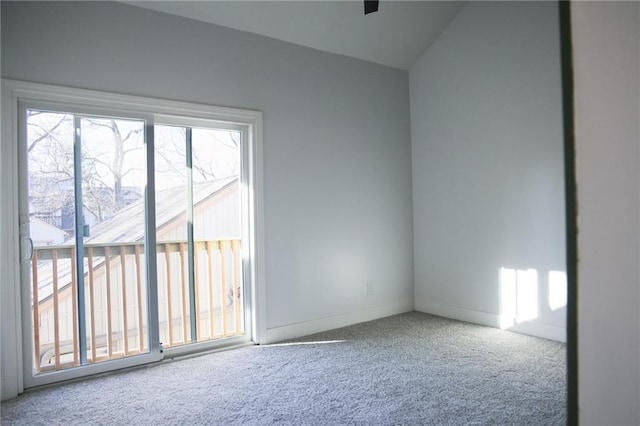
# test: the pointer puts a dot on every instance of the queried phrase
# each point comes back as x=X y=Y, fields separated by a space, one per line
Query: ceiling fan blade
x=370 y=6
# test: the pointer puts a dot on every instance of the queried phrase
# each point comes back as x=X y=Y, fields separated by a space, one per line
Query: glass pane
x=217 y=232
x=113 y=211
x=171 y=234
x=212 y=185
x=51 y=228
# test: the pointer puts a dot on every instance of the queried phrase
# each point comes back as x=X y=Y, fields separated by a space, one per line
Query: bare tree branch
x=47 y=133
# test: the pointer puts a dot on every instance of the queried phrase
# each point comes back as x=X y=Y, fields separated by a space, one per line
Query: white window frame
x=15 y=92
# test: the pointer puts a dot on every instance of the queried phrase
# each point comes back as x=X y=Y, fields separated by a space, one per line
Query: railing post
x=74 y=306
x=107 y=271
x=167 y=260
x=196 y=285
x=235 y=247
x=183 y=285
x=139 y=292
x=91 y=304
x=56 y=309
x=223 y=284
x=125 y=326
x=210 y=276
x=35 y=304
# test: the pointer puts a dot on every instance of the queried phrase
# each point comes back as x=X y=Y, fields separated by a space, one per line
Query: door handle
x=27 y=249
x=30 y=248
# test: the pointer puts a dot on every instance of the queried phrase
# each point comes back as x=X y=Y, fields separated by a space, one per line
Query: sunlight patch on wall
x=557 y=290
x=518 y=296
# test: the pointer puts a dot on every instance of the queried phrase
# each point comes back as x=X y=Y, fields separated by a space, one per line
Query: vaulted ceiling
x=395 y=36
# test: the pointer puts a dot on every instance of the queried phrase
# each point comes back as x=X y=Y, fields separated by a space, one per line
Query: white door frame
x=13 y=93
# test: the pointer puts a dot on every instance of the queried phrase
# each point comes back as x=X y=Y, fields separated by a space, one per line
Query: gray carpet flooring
x=409 y=369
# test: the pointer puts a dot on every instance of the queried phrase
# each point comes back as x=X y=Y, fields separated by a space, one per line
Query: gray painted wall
x=488 y=184
x=337 y=180
x=606 y=49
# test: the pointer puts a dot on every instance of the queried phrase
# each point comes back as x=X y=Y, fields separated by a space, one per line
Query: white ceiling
x=396 y=35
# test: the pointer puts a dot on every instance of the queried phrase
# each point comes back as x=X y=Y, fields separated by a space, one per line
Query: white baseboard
x=532 y=328
x=300 y=329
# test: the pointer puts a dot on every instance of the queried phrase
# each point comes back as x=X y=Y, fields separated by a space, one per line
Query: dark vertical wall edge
x=571 y=210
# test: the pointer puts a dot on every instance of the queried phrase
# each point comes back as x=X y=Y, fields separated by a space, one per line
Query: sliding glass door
x=199 y=233
x=134 y=236
x=85 y=226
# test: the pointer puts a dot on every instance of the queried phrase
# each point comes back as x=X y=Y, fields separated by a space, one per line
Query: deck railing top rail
x=98 y=249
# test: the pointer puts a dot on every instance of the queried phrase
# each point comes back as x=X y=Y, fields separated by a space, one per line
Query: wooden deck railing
x=116 y=298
